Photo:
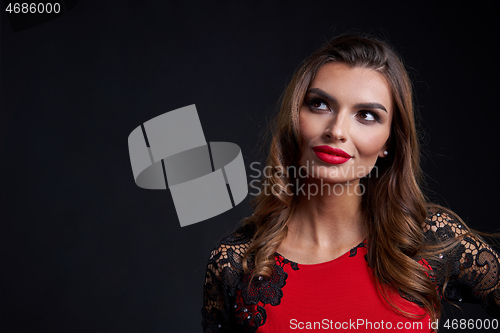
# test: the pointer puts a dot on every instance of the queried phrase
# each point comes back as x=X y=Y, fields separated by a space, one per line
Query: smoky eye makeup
x=317 y=100
x=368 y=116
x=316 y=103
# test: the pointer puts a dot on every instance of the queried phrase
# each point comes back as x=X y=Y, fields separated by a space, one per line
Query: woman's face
x=350 y=110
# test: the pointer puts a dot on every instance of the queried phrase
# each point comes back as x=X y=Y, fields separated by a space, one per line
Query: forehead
x=353 y=84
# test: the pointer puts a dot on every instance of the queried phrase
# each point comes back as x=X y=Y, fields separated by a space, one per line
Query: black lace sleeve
x=224 y=271
x=472 y=267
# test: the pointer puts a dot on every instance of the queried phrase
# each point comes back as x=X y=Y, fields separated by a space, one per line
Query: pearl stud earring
x=386 y=153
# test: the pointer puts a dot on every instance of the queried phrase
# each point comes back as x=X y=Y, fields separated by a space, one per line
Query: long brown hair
x=393 y=204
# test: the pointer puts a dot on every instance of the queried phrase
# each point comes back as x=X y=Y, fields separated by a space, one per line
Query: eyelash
x=311 y=101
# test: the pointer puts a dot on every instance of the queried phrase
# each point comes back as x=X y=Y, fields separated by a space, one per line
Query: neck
x=327 y=218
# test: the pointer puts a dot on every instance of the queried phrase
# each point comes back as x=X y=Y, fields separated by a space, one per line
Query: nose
x=337 y=128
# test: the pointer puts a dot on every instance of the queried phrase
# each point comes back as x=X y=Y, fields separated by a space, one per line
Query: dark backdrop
x=83 y=249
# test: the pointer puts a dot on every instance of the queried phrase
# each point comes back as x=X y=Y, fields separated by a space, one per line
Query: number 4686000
x=33 y=8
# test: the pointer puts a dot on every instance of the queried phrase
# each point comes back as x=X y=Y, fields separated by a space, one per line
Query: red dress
x=341 y=294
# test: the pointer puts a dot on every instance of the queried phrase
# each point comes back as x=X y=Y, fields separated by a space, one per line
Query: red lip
x=331 y=155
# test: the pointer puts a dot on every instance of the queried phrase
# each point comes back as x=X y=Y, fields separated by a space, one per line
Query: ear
x=384 y=152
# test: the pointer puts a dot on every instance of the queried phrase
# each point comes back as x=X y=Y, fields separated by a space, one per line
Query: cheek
x=307 y=129
x=307 y=134
x=370 y=144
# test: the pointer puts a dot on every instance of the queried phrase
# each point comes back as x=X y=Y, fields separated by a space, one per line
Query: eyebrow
x=324 y=95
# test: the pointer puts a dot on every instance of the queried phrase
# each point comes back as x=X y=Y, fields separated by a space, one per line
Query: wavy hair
x=393 y=204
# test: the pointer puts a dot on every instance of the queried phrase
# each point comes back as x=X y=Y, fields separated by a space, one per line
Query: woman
x=342 y=236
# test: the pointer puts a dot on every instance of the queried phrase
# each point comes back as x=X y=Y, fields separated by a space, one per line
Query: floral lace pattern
x=241 y=306
x=472 y=270
x=473 y=267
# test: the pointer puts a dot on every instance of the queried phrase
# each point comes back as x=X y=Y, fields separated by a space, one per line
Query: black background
x=83 y=249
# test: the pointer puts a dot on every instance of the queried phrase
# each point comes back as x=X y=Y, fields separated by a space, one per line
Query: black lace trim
x=354 y=250
x=244 y=302
x=282 y=261
x=251 y=298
